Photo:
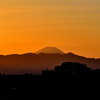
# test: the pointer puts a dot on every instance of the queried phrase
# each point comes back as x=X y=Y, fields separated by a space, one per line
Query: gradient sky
x=70 y=25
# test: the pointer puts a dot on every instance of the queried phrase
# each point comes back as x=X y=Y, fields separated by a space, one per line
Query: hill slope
x=34 y=63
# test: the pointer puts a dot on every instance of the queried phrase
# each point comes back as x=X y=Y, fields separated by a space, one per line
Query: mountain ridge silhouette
x=35 y=63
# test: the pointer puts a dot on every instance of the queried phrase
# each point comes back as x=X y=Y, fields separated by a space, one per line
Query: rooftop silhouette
x=69 y=81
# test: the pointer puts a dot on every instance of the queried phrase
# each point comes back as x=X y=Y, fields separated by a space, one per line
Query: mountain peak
x=70 y=53
x=50 y=50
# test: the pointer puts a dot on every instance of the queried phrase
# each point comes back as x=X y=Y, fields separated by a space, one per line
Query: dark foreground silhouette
x=70 y=81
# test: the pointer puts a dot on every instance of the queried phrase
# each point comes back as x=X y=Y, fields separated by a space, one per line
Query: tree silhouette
x=72 y=68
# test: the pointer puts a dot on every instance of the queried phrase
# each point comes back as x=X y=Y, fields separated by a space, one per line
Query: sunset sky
x=70 y=25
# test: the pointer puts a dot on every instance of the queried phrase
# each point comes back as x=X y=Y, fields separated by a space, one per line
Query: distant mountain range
x=50 y=50
x=43 y=59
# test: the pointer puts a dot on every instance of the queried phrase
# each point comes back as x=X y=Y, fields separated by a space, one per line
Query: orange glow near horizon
x=29 y=25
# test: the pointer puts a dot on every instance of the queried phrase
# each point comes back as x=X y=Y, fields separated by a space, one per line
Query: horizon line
x=45 y=53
